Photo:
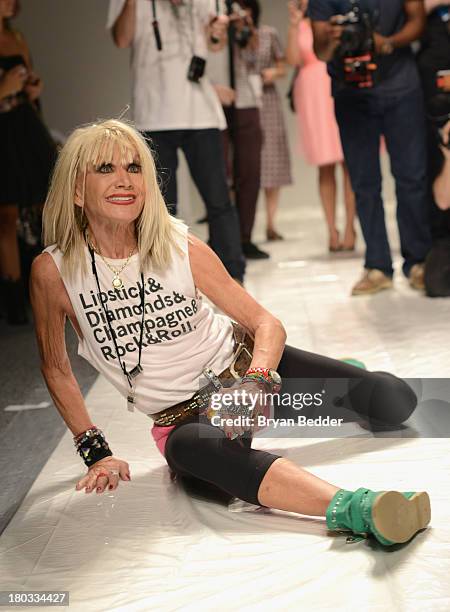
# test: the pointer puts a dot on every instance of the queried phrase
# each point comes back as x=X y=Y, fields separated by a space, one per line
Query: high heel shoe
x=349 y=246
x=272 y=235
x=392 y=517
x=336 y=247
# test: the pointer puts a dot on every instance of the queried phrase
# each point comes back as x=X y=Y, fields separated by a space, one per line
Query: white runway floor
x=149 y=546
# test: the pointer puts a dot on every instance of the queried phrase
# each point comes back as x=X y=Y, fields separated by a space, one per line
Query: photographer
x=434 y=65
x=377 y=92
x=176 y=107
x=240 y=88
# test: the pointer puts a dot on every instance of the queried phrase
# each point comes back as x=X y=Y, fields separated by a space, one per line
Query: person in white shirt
x=176 y=112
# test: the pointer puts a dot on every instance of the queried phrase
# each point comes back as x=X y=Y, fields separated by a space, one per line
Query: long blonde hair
x=64 y=222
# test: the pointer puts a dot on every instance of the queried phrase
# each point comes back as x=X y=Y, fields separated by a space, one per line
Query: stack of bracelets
x=92 y=446
x=261 y=375
x=258 y=375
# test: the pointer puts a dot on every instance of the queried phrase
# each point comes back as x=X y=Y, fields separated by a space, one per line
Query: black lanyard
x=155 y=25
x=137 y=368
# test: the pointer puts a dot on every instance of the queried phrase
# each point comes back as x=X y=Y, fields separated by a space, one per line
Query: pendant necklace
x=130 y=375
x=117 y=282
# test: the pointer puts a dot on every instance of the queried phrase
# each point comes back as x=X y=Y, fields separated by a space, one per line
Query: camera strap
x=155 y=25
x=192 y=34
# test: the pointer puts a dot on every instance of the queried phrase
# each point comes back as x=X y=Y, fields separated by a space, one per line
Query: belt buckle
x=240 y=349
x=213 y=378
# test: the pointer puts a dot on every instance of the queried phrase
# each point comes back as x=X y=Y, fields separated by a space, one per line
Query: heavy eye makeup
x=107 y=168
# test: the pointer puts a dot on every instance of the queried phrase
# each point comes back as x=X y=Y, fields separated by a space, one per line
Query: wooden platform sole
x=397 y=519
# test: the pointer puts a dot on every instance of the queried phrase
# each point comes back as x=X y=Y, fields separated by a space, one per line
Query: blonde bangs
x=64 y=222
x=100 y=148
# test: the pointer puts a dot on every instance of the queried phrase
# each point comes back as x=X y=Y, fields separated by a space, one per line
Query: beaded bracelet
x=255 y=378
x=267 y=375
x=92 y=446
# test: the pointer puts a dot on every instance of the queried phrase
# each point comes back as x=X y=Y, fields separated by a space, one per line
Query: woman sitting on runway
x=130 y=278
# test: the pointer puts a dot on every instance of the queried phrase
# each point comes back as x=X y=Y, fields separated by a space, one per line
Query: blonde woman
x=129 y=276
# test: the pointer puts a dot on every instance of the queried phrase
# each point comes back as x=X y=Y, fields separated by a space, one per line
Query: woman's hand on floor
x=104 y=474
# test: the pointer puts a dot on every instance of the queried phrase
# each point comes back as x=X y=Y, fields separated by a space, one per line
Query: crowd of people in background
x=223 y=62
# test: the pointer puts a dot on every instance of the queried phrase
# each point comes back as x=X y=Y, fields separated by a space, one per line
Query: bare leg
x=350 y=211
x=327 y=189
x=272 y=197
x=286 y=486
x=9 y=247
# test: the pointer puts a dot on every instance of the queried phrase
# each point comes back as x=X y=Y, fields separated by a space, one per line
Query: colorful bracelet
x=270 y=377
x=255 y=378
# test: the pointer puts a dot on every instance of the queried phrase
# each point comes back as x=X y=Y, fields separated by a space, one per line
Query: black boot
x=15 y=302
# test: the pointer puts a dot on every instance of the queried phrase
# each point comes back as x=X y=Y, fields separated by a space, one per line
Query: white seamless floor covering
x=148 y=546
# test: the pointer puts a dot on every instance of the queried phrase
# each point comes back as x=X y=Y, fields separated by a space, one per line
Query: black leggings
x=205 y=460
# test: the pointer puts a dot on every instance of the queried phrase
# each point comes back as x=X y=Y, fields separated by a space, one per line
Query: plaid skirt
x=275 y=160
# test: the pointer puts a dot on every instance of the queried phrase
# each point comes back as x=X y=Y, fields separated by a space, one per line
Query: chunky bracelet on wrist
x=256 y=378
x=271 y=377
x=92 y=446
x=80 y=435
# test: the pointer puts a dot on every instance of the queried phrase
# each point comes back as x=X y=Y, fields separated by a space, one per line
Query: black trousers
x=243 y=159
x=204 y=155
x=205 y=460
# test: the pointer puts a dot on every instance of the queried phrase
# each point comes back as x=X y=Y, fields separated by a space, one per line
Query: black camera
x=243 y=35
x=356 y=51
x=196 y=69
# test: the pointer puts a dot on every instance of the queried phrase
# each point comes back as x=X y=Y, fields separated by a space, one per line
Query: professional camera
x=243 y=35
x=439 y=105
x=357 y=49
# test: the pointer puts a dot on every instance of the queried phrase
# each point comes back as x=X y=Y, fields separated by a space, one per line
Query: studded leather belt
x=242 y=357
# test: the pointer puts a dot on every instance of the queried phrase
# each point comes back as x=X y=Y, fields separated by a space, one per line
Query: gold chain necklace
x=117 y=282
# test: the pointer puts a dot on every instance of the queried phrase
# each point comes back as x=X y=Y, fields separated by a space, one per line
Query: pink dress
x=319 y=140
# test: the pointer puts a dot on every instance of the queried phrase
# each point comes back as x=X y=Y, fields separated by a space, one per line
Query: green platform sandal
x=354 y=362
x=390 y=516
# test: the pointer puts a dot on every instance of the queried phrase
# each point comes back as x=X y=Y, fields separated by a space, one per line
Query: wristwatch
x=275 y=380
x=387 y=47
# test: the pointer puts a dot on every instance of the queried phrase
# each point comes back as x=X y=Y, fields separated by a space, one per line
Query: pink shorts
x=160 y=435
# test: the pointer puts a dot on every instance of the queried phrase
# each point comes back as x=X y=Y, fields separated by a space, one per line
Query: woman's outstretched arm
x=51 y=307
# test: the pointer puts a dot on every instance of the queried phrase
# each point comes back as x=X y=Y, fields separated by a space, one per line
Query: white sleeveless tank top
x=182 y=334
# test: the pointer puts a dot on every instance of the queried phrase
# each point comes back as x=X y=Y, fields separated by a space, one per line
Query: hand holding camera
x=244 y=28
x=13 y=80
x=355 y=39
x=218 y=27
x=33 y=87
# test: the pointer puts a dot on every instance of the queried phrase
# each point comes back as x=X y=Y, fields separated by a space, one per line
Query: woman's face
x=7 y=8
x=114 y=192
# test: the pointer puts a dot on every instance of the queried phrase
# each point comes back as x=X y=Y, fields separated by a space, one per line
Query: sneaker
x=251 y=251
x=372 y=281
x=417 y=277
